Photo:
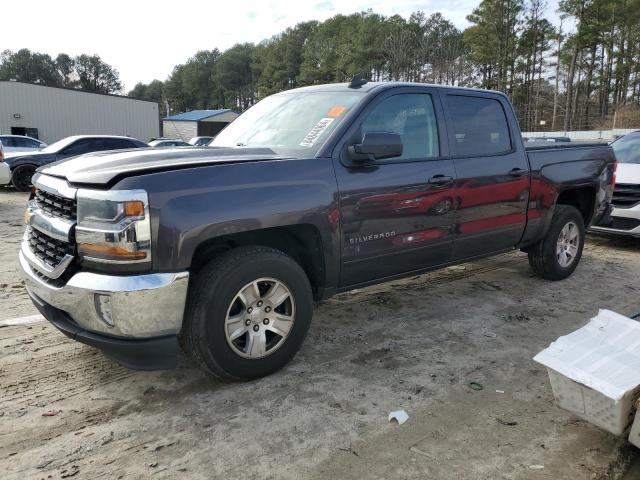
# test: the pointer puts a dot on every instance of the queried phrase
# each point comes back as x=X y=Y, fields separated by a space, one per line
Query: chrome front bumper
x=632 y=213
x=137 y=306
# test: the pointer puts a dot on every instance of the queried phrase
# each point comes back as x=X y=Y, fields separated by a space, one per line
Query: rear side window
x=25 y=143
x=480 y=126
x=116 y=144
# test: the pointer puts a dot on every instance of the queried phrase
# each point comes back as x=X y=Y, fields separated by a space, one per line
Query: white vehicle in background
x=625 y=218
x=168 y=142
x=200 y=141
x=5 y=171
x=20 y=143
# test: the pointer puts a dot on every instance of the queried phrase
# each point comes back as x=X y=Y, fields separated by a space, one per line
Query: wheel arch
x=582 y=198
x=302 y=242
x=13 y=166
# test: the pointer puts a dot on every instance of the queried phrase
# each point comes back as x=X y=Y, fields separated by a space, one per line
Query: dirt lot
x=414 y=344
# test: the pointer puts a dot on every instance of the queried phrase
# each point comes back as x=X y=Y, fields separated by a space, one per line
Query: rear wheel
x=557 y=255
x=21 y=177
x=248 y=313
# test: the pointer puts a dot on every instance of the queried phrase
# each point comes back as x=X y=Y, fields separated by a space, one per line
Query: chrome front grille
x=625 y=195
x=49 y=242
x=56 y=205
x=47 y=249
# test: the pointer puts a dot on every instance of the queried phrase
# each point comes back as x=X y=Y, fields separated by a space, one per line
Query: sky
x=145 y=39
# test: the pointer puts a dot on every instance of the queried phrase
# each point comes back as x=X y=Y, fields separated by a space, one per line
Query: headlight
x=113 y=226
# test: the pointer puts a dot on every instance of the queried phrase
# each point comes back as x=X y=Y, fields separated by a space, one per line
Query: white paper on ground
x=399 y=416
x=603 y=355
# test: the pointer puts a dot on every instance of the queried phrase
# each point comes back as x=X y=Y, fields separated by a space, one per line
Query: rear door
x=397 y=213
x=492 y=184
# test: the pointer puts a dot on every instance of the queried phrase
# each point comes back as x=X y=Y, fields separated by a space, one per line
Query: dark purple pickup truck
x=223 y=249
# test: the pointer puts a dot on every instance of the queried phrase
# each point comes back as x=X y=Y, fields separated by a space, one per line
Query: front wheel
x=21 y=177
x=248 y=313
x=557 y=255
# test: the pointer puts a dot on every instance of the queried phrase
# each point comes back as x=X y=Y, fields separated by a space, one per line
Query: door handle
x=518 y=172
x=440 y=180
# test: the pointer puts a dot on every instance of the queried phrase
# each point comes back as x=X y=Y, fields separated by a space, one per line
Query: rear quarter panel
x=557 y=169
x=193 y=205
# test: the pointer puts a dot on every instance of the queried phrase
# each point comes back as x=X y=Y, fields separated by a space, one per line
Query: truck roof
x=371 y=86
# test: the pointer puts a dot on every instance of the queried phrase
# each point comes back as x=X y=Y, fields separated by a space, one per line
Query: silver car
x=168 y=142
x=20 y=143
x=200 y=141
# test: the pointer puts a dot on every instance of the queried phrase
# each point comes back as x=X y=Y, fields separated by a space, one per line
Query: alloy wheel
x=568 y=243
x=260 y=318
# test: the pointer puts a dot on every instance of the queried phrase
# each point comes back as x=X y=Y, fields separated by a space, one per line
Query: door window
x=25 y=142
x=411 y=116
x=115 y=144
x=480 y=126
x=80 y=147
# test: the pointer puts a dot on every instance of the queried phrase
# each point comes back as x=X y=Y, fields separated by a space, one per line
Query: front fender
x=191 y=206
x=14 y=162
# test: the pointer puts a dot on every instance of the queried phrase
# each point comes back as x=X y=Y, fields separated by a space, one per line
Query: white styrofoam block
x=595 y=371
x=592 y=406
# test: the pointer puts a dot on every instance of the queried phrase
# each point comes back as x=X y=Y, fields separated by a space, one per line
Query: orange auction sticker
x=336 y=111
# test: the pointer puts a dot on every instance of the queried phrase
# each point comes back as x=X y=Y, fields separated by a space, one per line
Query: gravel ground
x=14 y=301
x=414 y=344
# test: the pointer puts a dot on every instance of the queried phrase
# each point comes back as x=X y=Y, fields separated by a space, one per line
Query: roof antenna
x=357 y=81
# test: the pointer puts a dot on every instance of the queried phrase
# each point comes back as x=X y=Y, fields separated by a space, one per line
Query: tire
x=21 y=177
x=546 y=258
x=214 y=305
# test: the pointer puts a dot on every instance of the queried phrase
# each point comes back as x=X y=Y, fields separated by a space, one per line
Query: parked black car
x=311 y=192
x=24 y=165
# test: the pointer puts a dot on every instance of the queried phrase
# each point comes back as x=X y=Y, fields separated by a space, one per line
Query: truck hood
x=628 y=173
x=103 y=168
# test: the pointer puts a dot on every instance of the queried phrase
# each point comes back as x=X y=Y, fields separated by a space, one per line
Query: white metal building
x=52 y=113
x=197 y=123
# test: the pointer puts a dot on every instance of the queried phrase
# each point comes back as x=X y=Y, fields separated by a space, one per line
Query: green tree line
x=570 y=76
x=85 y=72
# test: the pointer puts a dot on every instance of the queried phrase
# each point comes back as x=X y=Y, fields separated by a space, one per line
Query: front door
x=397 y=213
x=492 y=184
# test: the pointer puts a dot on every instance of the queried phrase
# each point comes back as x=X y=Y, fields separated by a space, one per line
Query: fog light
x=103 y=307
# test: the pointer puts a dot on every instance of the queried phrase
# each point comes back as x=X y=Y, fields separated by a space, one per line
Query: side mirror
x=376 y=146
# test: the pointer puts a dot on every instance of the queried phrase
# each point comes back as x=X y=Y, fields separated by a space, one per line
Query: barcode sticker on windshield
x=316 y=132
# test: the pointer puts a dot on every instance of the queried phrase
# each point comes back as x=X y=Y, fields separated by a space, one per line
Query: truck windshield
x=627 y=148
x=295 y=124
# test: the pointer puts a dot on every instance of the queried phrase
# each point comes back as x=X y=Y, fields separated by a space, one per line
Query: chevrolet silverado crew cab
x=223 y=249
